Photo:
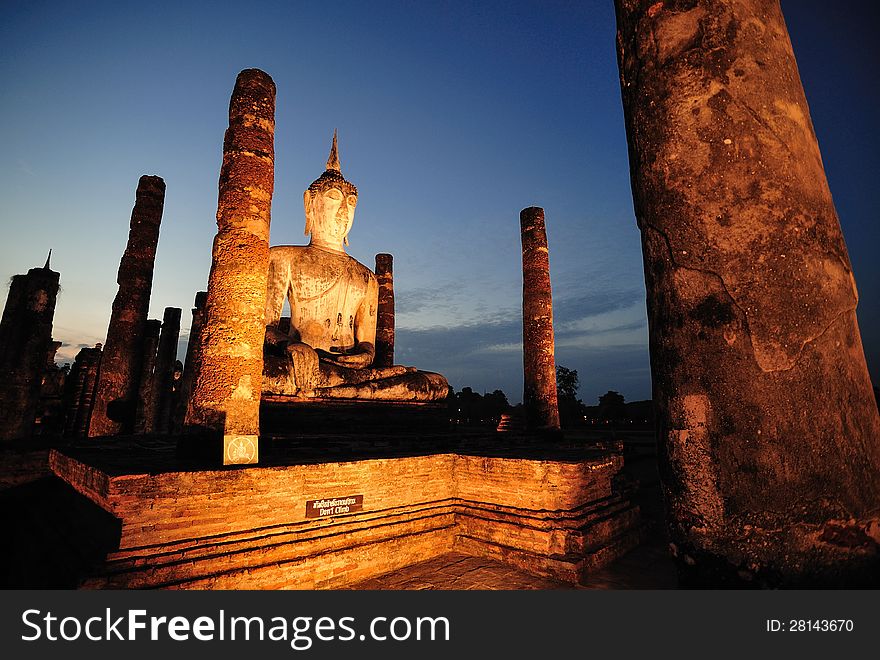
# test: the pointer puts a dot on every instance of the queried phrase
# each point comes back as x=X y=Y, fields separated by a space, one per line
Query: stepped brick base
x=251 y=527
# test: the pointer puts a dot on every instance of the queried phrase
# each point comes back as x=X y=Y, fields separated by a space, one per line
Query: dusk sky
x=452 y=117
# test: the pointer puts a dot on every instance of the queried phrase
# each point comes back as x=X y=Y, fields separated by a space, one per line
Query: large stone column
x=25 y=338
x=193 y=359
x=539 y=365
x=146 y=407
x=116 y=397
x=768 y=429
x=226 y=396
x=385 y=311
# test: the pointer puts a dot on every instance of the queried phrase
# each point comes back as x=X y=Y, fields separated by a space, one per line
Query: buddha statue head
x=329 y=205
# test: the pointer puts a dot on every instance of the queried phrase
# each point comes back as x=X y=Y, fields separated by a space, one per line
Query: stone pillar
x=226 y=395
x=116 y=398
x=25 y=339
x=81 y=392
x=163 y=382
x=768 y=429
x=146 y=410
x=51 y=352
x=385 y=311
x=49 y=419
x=193 y=359
x=539 y=365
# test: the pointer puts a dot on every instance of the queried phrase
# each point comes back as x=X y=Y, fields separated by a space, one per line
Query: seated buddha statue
x=328 y=349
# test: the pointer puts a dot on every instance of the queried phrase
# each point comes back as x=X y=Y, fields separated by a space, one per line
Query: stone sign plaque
x=334 y=506
x=240 y=449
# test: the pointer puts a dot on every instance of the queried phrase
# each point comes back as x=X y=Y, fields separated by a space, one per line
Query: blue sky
x=452 y=117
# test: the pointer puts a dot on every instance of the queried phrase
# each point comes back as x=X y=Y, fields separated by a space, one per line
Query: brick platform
x=550 y=511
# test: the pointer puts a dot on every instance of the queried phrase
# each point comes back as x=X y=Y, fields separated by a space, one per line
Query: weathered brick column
x=193 y=359
x=80 y=396
x=146 y=408
x=539 y=366
x=116 y=397
x=164 y=377
x=768 y=428
x=385 y=311
x=25 y=338
x=226 y=396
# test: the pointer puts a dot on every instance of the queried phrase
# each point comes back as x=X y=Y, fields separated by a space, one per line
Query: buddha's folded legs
x=302 y=374
x=413 y=385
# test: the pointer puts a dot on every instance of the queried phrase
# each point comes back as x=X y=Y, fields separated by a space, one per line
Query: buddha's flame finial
x=48 y=259
x=333 y=159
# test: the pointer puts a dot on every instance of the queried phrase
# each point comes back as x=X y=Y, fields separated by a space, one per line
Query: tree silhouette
x=571 y=409
x=612 y=406
x=566 y=382
x=473 y=409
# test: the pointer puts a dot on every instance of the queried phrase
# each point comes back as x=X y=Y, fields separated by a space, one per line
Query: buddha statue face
x=329 y=206
x=329 y=215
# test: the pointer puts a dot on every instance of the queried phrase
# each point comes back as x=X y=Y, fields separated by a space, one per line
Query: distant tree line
x=612 y=408
x=471 y=408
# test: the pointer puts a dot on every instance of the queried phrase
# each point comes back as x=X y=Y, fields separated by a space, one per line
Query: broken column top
x=149 y=182
x=254 y=95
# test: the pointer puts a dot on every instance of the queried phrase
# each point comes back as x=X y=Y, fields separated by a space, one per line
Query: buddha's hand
x=359 y=357
x=304 y=365
x=300 y=352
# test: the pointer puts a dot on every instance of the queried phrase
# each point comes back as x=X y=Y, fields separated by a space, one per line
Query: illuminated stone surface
x=539 y=364
x=226 y=393
x=385 y=311
x=646 y=567
x=769 y=432
x=116 y=398
x=25 y=338
x=329 y=349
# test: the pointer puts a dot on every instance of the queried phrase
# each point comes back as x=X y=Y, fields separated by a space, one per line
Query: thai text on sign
x=335 y=506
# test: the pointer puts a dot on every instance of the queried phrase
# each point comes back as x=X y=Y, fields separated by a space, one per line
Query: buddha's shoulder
x=284 y=252
x=309 y=255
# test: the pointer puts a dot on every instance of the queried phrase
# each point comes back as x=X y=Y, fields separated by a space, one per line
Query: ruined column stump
x=80 y=391
x=226 y=395
x=385 y=312
x=539 y=366
x=116 y=398
x=166 y=356
x=193 y=359
x=25 y=339
x=768 y=429
x=146 y=409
